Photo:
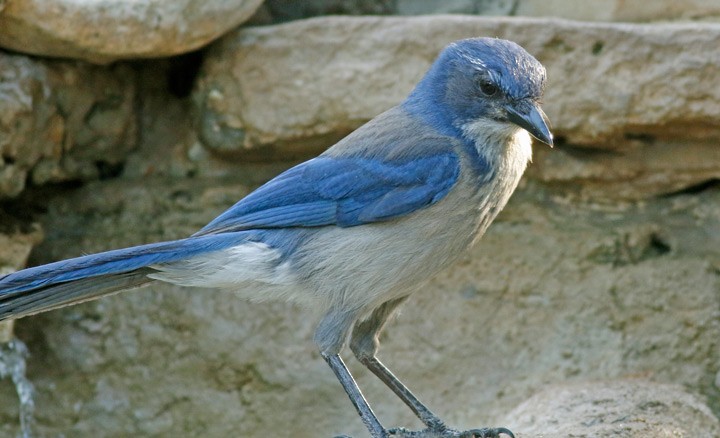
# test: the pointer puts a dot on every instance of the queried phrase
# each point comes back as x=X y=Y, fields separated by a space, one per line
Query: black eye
x=488 y=88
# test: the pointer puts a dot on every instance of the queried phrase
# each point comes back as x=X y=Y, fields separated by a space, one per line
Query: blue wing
x=342 y=191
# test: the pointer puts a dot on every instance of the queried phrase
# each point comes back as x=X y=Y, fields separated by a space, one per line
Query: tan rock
x=16 y=241
x=15 y=246
x=586 y=10
x=306 y=81
x=108 y=30
x=608 y=409
x=637 y=170
x=647 y=93
x=62 y=121
x=620 y=10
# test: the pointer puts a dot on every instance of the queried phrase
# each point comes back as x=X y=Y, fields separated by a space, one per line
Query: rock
x=608 y=409
x=634 y=107
x=17 y=239
x=620 y=10
x=309 y=83
x=16 y=242
x=102 y=32
x=288 y=10
x=62 y=121
x=590 y=10
x=481 y=7
x=638 y=170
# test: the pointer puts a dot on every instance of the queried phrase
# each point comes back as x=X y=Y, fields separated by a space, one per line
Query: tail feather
x=72 y=281
x=59 y=295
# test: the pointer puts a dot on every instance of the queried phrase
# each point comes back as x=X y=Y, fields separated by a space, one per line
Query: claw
x=487 y=433
x=401 y=432
x=451 y=433
x=506 y=431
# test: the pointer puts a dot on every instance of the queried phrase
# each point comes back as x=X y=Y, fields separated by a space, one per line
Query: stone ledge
x=310 y=82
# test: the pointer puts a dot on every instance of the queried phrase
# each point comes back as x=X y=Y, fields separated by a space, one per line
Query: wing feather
x=342 y=191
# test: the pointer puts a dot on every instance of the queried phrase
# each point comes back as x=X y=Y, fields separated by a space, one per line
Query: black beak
x=530 y=117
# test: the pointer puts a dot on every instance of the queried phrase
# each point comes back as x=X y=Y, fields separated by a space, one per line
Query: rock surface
x=288 y=10
x=619 y=10
x=17 y=238
x=640 y=101
x=624 y=408
x=606 y=81
x=588 y=10
x=107 y=30
x=62 y=121
x=554 y=293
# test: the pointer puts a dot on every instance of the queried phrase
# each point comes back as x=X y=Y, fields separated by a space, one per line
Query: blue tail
x=59 y=284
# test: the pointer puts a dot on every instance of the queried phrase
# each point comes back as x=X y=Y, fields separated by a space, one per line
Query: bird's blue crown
x=452 y=86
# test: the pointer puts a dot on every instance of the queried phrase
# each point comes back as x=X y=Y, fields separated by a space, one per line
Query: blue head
x=483 y=78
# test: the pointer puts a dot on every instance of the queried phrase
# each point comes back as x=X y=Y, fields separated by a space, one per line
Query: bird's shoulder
x=395 y=135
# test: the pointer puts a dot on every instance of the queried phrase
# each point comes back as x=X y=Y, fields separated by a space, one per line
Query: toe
x=487 y=433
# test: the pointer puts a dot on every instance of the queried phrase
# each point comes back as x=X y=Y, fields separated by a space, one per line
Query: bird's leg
x=330 y=336
x=356 y=397
x=364 y=344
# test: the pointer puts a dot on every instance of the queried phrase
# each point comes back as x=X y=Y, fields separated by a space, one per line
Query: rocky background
x=590 y=309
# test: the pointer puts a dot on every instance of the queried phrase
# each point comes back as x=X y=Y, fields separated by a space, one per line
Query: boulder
x=609 y=409
x=107 y=30
x=305 y=81
x=635 y=108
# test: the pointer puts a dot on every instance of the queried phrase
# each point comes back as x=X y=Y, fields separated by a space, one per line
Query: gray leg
x=330 y=336
x=356 y=397
x=364 y=344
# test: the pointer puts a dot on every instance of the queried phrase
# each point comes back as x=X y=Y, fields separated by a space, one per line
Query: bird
x=354 y=231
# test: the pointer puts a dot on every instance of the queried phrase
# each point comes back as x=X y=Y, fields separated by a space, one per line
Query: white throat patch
x=500 y=143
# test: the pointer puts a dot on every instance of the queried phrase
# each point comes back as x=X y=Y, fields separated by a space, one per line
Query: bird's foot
x=445 y=432
x=487 y=432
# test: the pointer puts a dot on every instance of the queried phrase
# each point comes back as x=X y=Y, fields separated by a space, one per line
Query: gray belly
x=371 y=264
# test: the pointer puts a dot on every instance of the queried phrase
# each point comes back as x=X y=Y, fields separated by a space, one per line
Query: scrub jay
x=355 y=230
